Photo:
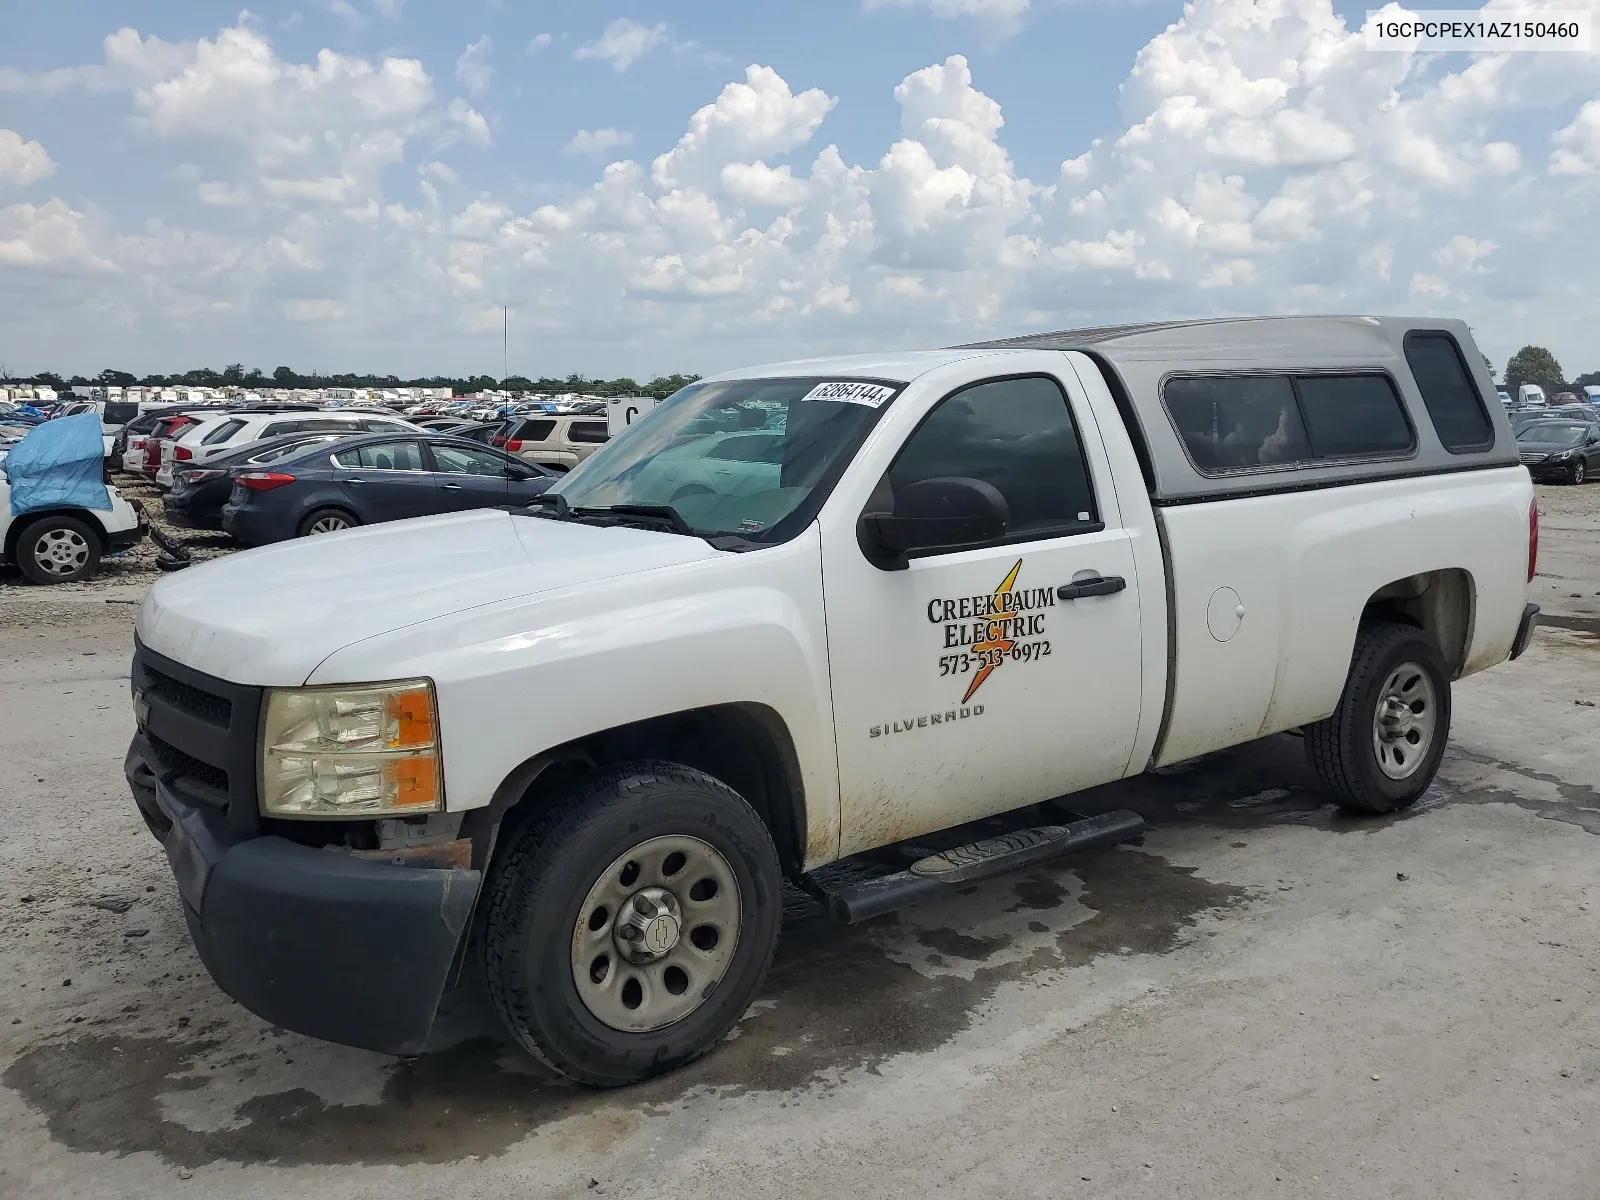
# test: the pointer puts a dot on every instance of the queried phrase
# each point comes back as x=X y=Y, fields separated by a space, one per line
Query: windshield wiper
x=563 y=510
x=657 y=512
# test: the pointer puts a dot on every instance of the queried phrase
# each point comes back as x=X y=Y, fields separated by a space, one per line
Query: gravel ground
x=1264 y=999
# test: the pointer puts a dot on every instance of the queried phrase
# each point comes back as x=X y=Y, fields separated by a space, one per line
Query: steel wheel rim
x=1405 y=721
x=61 y=551
x=687 y=883
x=329 y=525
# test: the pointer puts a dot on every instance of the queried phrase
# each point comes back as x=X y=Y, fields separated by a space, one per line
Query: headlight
x=351 y=751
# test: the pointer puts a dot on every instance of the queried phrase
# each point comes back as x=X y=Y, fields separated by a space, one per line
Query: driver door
x=964 y=684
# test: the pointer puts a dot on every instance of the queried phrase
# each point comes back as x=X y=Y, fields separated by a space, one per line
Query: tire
x=58 y=549
x=334 y=519
x=555 y=899
x=1369 y=769
x=1579 y=472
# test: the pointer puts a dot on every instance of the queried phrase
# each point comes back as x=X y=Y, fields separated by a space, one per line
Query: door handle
x=454 y=487
x=1097 y=585
x=352 y=480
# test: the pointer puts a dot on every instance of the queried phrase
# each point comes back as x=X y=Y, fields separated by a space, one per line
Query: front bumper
x=1525 y=628
x=127 y=539
x=315 y=940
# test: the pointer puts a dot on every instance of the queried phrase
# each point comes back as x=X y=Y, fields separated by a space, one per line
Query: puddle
x=1589 y=626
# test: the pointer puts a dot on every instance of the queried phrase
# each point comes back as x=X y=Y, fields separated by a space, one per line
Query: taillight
x=1533 y=540
x=498 y=439
x=199 y=476
x=514 y=445
x=182 y=453
x=262 y=481
x=136 y=443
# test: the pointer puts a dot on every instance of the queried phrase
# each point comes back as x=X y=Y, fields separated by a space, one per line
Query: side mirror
x=934 y=514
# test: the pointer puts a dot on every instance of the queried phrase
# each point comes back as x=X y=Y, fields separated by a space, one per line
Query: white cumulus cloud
x=22 y=163
x=624 y=42
x=473 y=71
x=597 y=141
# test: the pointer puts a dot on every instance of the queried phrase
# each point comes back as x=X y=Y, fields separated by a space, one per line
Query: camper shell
x=1138 y=363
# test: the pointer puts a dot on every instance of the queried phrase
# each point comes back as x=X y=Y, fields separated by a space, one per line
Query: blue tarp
x=59 y=464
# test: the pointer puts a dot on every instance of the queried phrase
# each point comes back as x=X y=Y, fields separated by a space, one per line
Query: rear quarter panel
x=1304 y=565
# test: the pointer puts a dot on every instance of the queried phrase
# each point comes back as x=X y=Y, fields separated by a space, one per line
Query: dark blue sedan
x=365 y=480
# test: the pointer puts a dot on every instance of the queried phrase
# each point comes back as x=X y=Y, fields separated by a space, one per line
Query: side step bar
x=938 y=873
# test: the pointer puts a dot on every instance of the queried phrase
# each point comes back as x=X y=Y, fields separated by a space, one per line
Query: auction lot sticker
x=851 y=392
x=1493 y=30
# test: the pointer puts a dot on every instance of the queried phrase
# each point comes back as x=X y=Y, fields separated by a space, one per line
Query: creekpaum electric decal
x=983 y=632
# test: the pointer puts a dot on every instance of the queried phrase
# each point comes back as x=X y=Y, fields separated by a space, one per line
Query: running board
x=860 y=900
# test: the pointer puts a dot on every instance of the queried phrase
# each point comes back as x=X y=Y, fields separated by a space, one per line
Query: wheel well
x=1440 y=602
x=322 y=508
x=14 y=533
x=746 y=746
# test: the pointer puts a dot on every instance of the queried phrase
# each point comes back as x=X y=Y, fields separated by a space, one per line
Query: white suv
x=226 y=432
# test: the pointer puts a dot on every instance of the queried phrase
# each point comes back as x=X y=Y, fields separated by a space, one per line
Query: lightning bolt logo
x=996 y=648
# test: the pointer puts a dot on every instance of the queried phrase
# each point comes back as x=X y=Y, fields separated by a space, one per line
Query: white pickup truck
x=580 y=747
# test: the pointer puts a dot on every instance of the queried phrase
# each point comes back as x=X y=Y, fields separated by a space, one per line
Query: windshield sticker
x=986 y=631
x=870 y=394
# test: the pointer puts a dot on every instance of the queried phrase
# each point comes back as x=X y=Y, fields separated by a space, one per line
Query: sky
x=633 y=187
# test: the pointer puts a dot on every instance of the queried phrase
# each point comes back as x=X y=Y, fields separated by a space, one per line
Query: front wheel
x=1579 y=472
x=1382 y=746
x=632 y=922
x=58 y=549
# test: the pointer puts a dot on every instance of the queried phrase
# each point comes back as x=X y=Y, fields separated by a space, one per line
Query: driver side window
x=1015 y=434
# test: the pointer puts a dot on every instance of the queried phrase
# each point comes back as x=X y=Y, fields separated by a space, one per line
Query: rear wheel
x=631 y=922
x=327 y=520
x=1380 y=749
x=58 y=549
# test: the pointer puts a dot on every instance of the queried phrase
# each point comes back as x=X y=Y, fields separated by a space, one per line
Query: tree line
x=237 y=375
x=1535 y=364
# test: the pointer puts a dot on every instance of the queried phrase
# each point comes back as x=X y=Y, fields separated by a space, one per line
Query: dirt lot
x=1264 y=999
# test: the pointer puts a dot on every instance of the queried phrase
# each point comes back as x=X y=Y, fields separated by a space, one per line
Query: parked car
x=481 y=431
x=728 y=464
x=127 y=445
x=198 y=493
x=450 y=425
x=983 y=578
x=225 y=432
x=560 y=440
x=367 y=480
x=72 y=518
x=143 y=453
x=1557 y=449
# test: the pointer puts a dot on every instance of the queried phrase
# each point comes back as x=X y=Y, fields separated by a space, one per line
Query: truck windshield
x=737 y=457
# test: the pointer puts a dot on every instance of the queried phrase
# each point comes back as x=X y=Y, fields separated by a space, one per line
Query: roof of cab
x=897 y=366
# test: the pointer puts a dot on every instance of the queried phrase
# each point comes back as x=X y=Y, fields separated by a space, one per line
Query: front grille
x=208 y=707
x=172 y=763
x=1532 y=458
x=200 y=733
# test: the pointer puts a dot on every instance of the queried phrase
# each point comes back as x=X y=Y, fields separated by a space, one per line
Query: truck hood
x=270 y=616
